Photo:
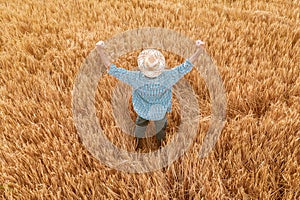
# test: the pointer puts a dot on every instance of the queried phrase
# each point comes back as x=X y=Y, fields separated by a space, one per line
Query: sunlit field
x=255 y=46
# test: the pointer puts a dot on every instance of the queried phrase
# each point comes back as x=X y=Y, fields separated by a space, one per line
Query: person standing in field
x=152 y=87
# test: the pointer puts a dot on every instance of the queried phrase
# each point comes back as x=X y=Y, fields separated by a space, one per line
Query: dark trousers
x=141 y=126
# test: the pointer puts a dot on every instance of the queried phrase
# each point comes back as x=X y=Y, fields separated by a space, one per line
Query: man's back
x=151 y=97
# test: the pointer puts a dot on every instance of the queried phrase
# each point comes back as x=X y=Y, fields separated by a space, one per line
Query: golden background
x=254 y=44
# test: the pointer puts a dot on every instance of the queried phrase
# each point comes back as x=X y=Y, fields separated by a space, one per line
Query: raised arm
x=194 y=57
x=104 y=58
x=176 y=73
x=122 y=74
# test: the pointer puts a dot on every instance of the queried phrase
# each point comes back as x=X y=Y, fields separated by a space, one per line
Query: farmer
x=152 y=87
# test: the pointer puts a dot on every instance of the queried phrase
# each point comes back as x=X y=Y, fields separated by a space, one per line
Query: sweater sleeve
x=123 y=75
x=183 y=69
x=176 y=73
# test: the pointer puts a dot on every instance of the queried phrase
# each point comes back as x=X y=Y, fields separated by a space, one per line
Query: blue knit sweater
x=151 y=97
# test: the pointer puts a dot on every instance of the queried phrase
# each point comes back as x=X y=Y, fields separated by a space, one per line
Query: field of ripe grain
x=254 y=44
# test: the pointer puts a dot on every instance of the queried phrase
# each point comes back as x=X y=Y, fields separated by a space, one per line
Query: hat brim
x=152 y=74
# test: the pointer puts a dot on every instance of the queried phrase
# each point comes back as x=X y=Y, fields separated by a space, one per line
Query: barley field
x=255 y=45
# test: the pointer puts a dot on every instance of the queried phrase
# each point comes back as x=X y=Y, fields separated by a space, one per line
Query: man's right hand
x=200 y=44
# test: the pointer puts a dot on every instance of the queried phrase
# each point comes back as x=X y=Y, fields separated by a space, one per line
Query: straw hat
x=151 y=62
